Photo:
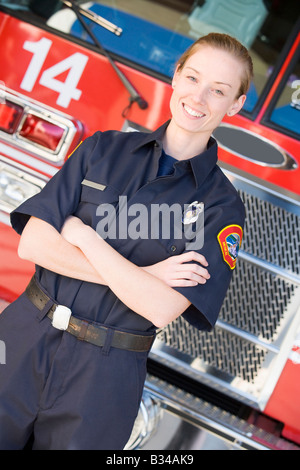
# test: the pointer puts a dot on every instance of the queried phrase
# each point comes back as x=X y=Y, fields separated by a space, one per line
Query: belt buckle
x=61 y=317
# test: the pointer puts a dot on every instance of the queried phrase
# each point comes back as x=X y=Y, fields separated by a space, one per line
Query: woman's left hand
x=187 y=269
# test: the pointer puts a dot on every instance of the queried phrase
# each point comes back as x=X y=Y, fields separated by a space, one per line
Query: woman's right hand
x=187 y=269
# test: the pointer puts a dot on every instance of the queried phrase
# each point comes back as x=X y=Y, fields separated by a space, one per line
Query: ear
x=176 y=73
x=236 y=106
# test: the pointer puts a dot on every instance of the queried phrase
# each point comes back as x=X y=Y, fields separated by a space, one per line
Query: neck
x=182 y=144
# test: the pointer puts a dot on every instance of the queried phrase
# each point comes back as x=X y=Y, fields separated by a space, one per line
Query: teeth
x=192 y=112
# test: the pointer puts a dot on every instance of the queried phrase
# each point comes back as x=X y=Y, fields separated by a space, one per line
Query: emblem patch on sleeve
x=230 y=240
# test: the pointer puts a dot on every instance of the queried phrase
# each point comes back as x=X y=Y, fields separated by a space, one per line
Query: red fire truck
x=69 y=69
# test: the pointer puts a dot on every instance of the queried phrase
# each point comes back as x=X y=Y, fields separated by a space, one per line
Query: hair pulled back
x=226 y=43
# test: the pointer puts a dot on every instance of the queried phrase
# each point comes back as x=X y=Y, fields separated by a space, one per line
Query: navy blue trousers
x=70 y=394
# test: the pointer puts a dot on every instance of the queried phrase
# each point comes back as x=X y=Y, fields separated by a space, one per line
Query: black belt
x=86 y=331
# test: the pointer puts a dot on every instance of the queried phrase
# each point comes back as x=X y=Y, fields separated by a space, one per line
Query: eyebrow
x=223 y=83
x=218 y=83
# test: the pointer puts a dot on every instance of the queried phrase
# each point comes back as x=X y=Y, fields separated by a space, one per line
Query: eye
x=192 y=78
x=219 y=92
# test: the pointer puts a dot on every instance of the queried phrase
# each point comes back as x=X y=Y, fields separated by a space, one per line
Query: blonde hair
x=226 y=43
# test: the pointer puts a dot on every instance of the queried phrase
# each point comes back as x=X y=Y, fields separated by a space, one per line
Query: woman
x=121 y=285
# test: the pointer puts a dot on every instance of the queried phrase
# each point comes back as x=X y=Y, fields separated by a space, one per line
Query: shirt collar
x=204 y=163
x=201 y=165
x=155 y=137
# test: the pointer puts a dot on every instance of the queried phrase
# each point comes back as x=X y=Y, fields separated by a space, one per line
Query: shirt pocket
x=98 y=193
x=96 y=200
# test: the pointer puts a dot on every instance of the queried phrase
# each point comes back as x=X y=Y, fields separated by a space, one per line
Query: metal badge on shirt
x=192 y=212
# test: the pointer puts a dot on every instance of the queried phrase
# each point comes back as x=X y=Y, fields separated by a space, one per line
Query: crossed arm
x=80 y=253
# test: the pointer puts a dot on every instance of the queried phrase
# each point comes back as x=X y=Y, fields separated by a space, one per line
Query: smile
x=192 y=112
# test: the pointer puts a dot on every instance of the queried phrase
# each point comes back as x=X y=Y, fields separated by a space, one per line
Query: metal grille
x=257 y=302
x=271 y=233
x=219 y=349
x=257 y=306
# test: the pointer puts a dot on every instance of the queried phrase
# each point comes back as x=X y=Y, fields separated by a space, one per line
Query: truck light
x=36 y=128
x=10 y=114
x=16 y=185
x=42 y=132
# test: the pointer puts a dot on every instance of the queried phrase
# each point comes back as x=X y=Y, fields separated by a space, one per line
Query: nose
x=200 y=96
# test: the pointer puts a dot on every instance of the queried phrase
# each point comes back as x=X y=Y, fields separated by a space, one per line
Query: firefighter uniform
x=82 y=394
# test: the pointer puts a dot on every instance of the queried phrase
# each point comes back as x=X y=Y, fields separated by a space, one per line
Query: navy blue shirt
x=113 y=168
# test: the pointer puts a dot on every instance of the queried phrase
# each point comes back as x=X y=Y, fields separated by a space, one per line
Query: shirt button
x=173 y=248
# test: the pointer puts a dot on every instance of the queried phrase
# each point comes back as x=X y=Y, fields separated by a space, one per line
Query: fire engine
x=71 y=68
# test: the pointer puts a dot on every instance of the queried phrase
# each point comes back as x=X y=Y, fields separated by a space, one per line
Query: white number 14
x=67 y=90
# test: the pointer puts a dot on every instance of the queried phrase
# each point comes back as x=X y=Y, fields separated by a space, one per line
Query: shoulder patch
x=230 y=240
